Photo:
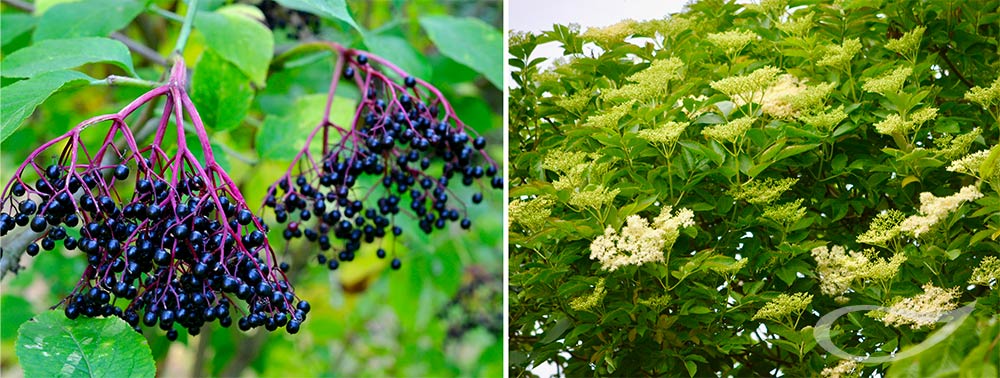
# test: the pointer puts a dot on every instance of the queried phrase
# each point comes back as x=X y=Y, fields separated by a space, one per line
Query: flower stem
x=186 y=27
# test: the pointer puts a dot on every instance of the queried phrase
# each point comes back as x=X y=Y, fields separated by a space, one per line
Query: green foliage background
x=258 y=88
x=694 y=314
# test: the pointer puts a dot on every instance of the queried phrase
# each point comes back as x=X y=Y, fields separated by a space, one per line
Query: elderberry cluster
x=170 y=250
x=399 y=155
x=168 y=237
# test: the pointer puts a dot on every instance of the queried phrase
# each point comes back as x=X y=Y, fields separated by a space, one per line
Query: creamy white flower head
x=667 y=133
x=951 y=148
x=531 y=214
x=732 y=41
x=843 y=369
x=986 y=97
x=827 y=120
x=920 y=310
x=762 y=192
x=890 y=82
x=933 y=209
x=639 y=241
x=752 y=83
x=798 y=26
x=908 y=44
x=588 y=302
x=652 y=82
x=729 y=131
x=969 y=164
x=840 y=55
x=612 y=34
x=785 y=214
x=883 y=229
x=574 y=103
x=783 y=306
x=608 y=118
x=595 y=198
x=987 y=273
x=837 y=268
x=894 y=124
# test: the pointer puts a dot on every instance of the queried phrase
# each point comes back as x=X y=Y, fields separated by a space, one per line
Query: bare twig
x=943 y=53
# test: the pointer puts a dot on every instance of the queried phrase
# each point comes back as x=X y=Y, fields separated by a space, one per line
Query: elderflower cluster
x=727 y=270
x=588 y=302
x=608 y=118
x=612 y=34
x=729 y=131
x=640 y=241
x=840 y=55
x=908 y=44
x=838 y=268
x=531 y=214
x=783 y=306
x=985 y=97
x=825 y=121
x=933 y=209
x=574 y=103
x=969 y=164
x=652 y=82
x=657 y=302
x=668 y=27
x=763 y=192
x=843 y=369
x=752 y=83
x=953 y=147
x=920 y=310
x=883 y=229
x=732 y=41
x=785 y=214
x=667 y=133
x=799 y=26
x=562 y=161
x=895 y=124
x=888 y=83
x=594 y=198
x=518 y=38
x=788 y=97
x=987 y=273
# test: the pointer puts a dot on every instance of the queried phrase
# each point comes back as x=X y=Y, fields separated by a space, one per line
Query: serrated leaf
x=329 y=9
x=398 y=51
x=221 y=90
x=280 y=137
x=240 y=40
x=51 y=345
x=60 y=54
x=88 y=18
x=21 y=98
x=468 y=41
x=13 y=26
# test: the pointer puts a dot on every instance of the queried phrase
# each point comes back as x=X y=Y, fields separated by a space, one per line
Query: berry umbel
x=162 y=231
x=403 y=150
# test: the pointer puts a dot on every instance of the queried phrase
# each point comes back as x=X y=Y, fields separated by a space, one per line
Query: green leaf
x=16 y=311
x=13 y=26
x=52 y=345
x=468 y=41
x=240 y=40
x=88 y=18
x=221 y=90
x=280 y=137
x=329 y=9
x=398 y=51
x=25 y=95
x=60 y=54
x=554 y=333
